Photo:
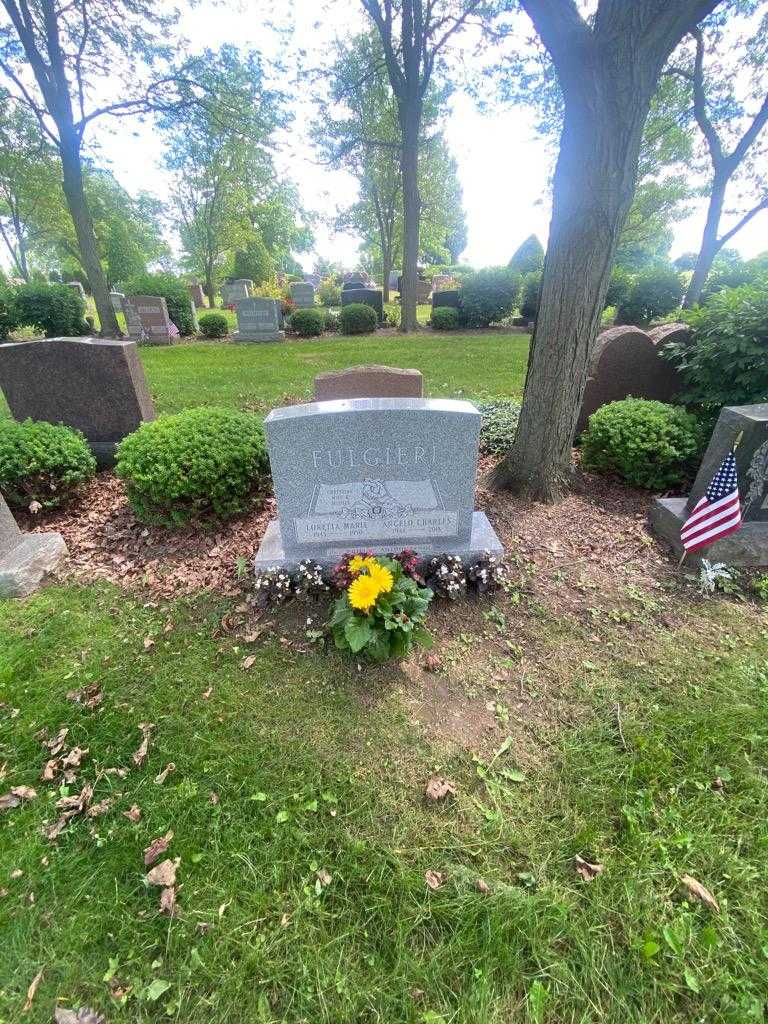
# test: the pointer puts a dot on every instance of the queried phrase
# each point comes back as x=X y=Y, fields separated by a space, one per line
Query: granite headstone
x=370 y=381
x=665 y=334
x=258 y=320
x=303 y=294
x=95 y=385
x=368 y=297
x=76 y=286
x=747 y=424
x=374 y=473
x=148 y=321
x=25 y=558
x=234 y=292
x=116 y=298
x=451 y=298
x=197 y=295
x=626 y=362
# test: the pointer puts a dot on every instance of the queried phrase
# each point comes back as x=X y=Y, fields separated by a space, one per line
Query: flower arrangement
x=445 y=576
x=382 y=611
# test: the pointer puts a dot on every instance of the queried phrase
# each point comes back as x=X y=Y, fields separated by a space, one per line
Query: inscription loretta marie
x=374 y=473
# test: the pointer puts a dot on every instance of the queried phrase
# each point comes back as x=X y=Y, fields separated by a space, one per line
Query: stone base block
x=269 y=336
x=104 y=452
x=484 y=538
x=24 y=568
x=747 y=546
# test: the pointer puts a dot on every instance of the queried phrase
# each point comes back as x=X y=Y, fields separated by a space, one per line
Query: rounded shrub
x=357 y=318
x=213 y=325
x=489 y=295
x=200 y=463
x=498 y=426
x=308 y=323
x=648 y=444
x=54 y=309
x=445 y=318
x=332 y=322
x=529 y=302
x=172 y=290
x=653 y=293
x=42 y=462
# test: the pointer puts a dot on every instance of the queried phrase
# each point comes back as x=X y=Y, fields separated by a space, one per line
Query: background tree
x=724 y=68
x=608 y=69
x=284 y=225
x=56 y=57
x=528 y=257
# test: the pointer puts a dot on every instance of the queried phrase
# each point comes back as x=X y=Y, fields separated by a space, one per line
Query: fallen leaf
x=699 y=892
x=57 y=743
x=168 y=901
x=32 y=990
x=50 y=770
x=482 y=886
x=16 y=873
x=324 y=877
x=434 y=879
x=74 y=757
x=133 y=814
x=85 y=1015
x=222 y=908
x=203 y=927
x=249 y=661
x=214 y=798
x=35 y=507
x=164 y=873
x=285 y=920
x=718 y=785
x=157 y=848
x=149 y=643
x=100 y=808
x=140 y=755
x=208 y=693
x=89 y=696
x=439 y=788
x=587 y=871
x=78 y=802
x=160 y=779
x=432 y=663
x=24 y=792
x=169 y=626
x=8 y=801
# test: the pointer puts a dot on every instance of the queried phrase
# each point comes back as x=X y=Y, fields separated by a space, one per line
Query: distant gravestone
x=446 y=298
x=374 y=474
x=747 y=424
x=234 y=292
x=148 y=321
x=666 y=333
x=349 y=286
x=442 y=282
x=116 y=298
x=25 y=558
x=77 y=287
x=368 y=296
x=303 y=294
x=355 y=277
x=369 y=382
x=626 y=362
x=246 y=281
x=197 y=295
x=258 y=320
x=95 y=385
x=423 y=289
x=394 y=281
x=313 y=279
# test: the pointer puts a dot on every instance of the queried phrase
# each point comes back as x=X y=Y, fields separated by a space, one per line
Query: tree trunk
x=210 y=289
x=410 y=123
x=386 y=269
x=74 y=192
x=593 y=189
x=709 y=242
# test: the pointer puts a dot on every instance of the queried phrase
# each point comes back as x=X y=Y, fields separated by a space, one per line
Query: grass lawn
x=638 y=739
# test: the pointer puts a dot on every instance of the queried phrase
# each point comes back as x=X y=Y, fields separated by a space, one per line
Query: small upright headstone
x=247 y=282
x=367 y=296
x=369 y=382
x=747 y=424
x=197 y=295
x=303 y=294
x=626 y=362
x=670 y=333
x=313 y=279
x=446 y=298
x=117 y=298
x=25 y=558
x=76 y=286
x=374 y=474
x=148 y=321
x=258 y=320
x=95 y=385
x=234 y=292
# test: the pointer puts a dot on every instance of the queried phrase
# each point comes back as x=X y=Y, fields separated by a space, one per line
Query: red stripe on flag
x=691 y=530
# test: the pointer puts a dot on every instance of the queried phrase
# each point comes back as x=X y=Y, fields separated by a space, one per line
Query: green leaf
x=650 y=949
x=537 y=999
x=158 y=987
x=691 y=980
x=358 y=633
x=281 y=817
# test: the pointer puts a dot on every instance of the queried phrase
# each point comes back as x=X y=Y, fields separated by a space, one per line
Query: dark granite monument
x=148 y=321
x=626 y=362
x=303 y=294
x=25 y=558
x=451 y=297
x=368 y=297
x=369 y=382
x=747 y=424
x=92 y=384
x=258 y=320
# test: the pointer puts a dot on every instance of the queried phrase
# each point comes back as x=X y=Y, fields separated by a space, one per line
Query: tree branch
x=700 y=102
x=762 y=205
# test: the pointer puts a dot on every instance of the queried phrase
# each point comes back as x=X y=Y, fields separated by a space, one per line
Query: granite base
x=105 y=453
x=255 y=339
x=747 y=546
x=484 y=538
x=23 y=569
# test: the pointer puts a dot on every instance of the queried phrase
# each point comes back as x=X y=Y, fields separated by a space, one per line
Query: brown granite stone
x=626 y=363
x=666 y=333
x=369 y=382
x=197 y=295
x=25 y=558
x=148 y=321
x=92 y=384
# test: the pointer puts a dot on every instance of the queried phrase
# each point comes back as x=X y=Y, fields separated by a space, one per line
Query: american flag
x=718 y=512
x=173 y=330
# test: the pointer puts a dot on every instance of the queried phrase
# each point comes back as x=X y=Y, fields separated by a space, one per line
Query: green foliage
x=7 y=311
x=760 y=587
x=529 y=302
x=727 y=361
x=54 y=309
x=213 y=325
x=653 y=293
x=172 y=290
x=498 y=427
x=649 y=444
x=253 y=261
x=357 y=318
x=308 y=323
x=329 y=293
x=529 y=257
x=201 y=463
x=42 y=462
x=489 y=295
x=445 y=318
x=733 y=274
x=619 y=287
x=392 y=626
x=332 y=322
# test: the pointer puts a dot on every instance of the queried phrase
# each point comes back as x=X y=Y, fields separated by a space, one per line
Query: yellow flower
x=382 y=575
x=363 y=592
x=357 y=564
